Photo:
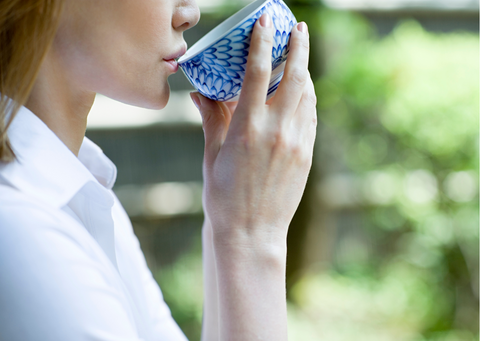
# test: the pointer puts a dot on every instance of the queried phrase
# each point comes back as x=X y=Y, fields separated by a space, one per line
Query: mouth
x=172 y=58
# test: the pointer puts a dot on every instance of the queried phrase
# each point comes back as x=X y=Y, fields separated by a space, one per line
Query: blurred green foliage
x=182 y=288
x=403 y=111
x=400 y=113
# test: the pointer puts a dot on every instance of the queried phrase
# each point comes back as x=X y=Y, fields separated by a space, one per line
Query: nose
x=186 y=15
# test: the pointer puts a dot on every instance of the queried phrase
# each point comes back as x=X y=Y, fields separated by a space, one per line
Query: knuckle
x=250 y=136
x=297 y=152
x=305 y=43
x=302 y=156
x=279 y=144
x=302 y=42
x=310 y=99
x=315 y=120
x=284 y=147
x=297 y=76
x=259 y=70
x=244 y=144
x=208 y=118
x=262 y=39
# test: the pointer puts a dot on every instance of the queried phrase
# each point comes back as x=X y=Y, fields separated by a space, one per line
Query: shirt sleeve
x=51 y=286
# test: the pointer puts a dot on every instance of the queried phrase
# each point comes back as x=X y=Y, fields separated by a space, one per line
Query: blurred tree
x=403 y=111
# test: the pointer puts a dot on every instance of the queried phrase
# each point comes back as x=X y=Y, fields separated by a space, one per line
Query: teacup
x=216 y=64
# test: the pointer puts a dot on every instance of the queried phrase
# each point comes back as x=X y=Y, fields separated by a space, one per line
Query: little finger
x=305 y=118
x=291 y=87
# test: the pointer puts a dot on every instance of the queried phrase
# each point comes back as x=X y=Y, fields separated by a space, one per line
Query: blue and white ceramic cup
x=216 y=64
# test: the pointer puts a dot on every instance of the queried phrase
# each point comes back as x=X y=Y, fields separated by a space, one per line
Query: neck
x=61 y=105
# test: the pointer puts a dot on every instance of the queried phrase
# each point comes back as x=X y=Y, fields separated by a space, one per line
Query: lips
x=180 y=52
x=171 y=60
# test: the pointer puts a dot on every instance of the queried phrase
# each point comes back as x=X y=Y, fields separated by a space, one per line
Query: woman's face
x=121 y=48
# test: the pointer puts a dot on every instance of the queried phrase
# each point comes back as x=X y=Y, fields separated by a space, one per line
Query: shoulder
x=19 y=209
x=29 y=228
x=52 y=287
x=27 y=222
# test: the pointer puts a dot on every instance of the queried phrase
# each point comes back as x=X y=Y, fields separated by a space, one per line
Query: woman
x=70 y=265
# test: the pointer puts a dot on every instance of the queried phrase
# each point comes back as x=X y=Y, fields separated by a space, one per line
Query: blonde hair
x=27 y=30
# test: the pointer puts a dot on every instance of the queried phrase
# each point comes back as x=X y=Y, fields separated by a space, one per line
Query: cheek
x=120 y=54
x=140 y=82
x=147 y=26
x=139 y=66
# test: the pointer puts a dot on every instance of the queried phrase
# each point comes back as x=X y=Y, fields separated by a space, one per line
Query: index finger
x=259 y=65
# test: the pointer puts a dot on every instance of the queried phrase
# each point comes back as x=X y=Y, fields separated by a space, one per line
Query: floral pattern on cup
x=218 y=71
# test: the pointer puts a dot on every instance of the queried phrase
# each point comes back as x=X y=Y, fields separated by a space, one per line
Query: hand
x=258 y=155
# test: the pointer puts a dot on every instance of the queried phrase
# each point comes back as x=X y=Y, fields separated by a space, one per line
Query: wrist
x=256 y=250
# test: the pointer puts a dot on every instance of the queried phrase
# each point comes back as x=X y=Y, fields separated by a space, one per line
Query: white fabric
x=71 y=267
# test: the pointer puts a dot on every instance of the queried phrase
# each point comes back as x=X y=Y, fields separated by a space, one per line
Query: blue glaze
x=218 y=71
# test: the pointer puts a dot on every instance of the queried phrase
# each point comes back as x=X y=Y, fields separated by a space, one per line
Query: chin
x=155 y=99
x=149 y=96
x=158 y=100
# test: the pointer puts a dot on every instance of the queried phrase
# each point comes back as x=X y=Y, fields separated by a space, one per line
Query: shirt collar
x=45 y=168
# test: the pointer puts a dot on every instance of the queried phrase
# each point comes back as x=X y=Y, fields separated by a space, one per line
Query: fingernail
x=302 y=27
x=195 y=99
x=265 y=20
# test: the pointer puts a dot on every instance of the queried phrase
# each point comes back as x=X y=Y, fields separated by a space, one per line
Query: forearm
x=244 y=289
x=251 y=289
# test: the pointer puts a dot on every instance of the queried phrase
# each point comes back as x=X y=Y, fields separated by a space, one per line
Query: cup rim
x=228 y=25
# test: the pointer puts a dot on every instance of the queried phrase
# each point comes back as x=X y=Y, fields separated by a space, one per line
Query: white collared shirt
x=71 y=268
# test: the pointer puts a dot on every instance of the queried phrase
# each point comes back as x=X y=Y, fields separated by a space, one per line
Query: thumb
x=216 y=118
